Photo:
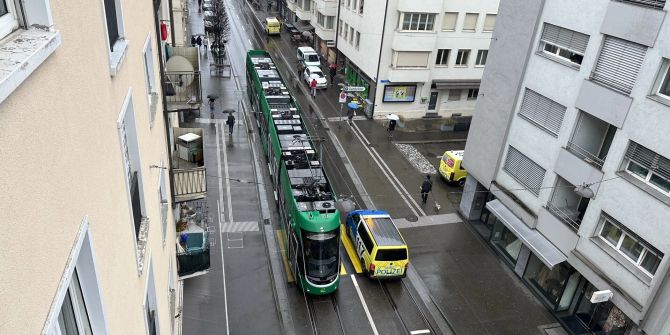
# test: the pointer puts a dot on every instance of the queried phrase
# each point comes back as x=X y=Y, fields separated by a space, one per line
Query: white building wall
x=370 y=25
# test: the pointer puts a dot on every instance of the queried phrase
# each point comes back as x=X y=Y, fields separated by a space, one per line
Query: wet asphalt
x=466 y=286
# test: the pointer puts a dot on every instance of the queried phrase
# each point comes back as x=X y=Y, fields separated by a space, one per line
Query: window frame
x=557 y=53
x=495 y=18
x=473 y=93
x=10 y=21
x=647 y=178
x=440 y=56
x=357 y=39
x=479 y=57
x=664 y=74
x=430 y=20
x=458 y=56
x=465 y=18
x=623 y=233
x=361 y=5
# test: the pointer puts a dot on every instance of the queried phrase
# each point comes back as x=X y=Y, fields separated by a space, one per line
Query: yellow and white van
x=379 y=245
x=451 y=167
x=272 y=26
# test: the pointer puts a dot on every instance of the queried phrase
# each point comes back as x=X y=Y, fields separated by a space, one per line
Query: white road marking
x=386 y=173
x=225 y=164
x=218 y=163
x=365 y=306
x=240 y=226
x=223 y=269
x=390 y=172
x=422 y=331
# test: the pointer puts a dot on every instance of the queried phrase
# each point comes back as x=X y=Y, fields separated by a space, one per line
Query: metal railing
x=571 y=219
x=189 y=184
x=585 y=155
x=648 y=3
x=182 y=87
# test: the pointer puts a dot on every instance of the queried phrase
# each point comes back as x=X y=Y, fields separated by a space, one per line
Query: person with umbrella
x=350 y=112
x=393 y=119
x=211 y=98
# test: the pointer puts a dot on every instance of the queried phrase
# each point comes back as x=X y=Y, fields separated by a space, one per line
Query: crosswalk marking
x=230 y=227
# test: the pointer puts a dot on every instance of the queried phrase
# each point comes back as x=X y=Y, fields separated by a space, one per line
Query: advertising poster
x=399 y=93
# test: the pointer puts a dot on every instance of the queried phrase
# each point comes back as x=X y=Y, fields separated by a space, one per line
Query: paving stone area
x=416 y=158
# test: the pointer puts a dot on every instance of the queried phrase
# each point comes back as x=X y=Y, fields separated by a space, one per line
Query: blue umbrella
x=352 y=105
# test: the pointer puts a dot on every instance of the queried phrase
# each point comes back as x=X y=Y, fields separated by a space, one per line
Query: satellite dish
x=584 y=191
x=179 y=71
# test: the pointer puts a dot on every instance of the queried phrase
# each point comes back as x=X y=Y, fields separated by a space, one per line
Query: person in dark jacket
x=391 y=128
x=230 y=122
x=333 y=72
x=426 y=187
x=193 y=40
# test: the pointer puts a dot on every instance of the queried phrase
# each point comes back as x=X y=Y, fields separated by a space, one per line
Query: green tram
x=304 y=196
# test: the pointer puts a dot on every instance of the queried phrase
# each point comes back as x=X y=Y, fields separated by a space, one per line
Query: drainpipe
x=337 y=30
x=161 y=68
x=171 y=22
x=379 y=61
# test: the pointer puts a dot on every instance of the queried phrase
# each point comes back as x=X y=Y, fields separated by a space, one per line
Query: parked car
x=313 y=72
x=308 y=56
x=451 y=167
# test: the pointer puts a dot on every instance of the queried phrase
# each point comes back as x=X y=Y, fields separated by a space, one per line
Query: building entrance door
x=432 y=103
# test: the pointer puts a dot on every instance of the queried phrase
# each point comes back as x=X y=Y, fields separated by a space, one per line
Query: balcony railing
x=189 y=184
x=567 y=215
x=648 y=3
x=182 y=90
x=585 y=155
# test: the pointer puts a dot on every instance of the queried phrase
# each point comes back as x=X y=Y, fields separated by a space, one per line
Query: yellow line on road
x=282 y=249
x=351 y=251
x=343 y=271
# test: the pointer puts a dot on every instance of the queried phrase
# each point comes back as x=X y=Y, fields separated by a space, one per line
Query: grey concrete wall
x=633 y=23
x=472 y=201
x=510 y=48
x=603 y=103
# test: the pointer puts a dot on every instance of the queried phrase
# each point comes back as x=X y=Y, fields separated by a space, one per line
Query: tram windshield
x=321 y=254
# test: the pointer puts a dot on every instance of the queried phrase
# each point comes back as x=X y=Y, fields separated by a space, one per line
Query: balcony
x=182 y=86
x=193 y=243
x=566 y=205
x=591 y=139
x=189 y=180
x=658 y=4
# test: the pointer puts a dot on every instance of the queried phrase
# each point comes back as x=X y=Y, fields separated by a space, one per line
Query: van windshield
x=312 y=58
x=390 y=255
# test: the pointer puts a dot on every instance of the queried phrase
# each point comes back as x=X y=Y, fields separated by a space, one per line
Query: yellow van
x=451 y=167
x=272 y=26
x=379 y=245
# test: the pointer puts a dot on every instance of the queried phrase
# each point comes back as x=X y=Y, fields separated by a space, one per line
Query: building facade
x=92 y=247
x=417 y=59
x=569 y=162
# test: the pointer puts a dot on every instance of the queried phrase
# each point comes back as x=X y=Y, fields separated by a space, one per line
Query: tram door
x=293 y=254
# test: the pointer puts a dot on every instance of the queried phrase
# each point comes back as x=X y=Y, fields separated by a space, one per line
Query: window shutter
x=618 y=63
x=449 y=22
x=470 y=22
x=412 y=59
x=649 y=159
x=489 y=22
x=524 y=170
x=565 y=38
x=542 y=111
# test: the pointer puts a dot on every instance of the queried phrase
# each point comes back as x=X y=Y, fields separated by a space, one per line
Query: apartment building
x=89 y=245
x=569 y=159
x=416 y=58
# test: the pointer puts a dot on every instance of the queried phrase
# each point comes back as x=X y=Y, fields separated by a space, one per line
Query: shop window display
x=550 y=282
x=506 y=241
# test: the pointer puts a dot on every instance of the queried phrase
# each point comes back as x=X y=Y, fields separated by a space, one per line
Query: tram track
x=314 y=319
x=429 y=329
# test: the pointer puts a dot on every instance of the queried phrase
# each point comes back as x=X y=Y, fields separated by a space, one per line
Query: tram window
x=390 y=255
x=365 y=238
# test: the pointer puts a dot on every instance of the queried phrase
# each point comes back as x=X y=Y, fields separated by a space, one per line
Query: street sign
x=343 y=97
x=354 y=88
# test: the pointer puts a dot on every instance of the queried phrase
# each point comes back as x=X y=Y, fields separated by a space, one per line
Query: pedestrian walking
x=350 y=115
x=205 y=43
x=193 y=40
x=312 y=85
x=230 y=122
x=211 y=107
x=426 y=187
x=198 y=41
x=391 y=128
x=269 y=6
x=300 y=68
x=332 y=72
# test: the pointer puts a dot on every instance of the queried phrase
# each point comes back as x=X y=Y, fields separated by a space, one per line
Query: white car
x=308 y=56
x=313 y=72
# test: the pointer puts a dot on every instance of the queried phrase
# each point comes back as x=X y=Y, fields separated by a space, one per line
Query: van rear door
x=390 y=261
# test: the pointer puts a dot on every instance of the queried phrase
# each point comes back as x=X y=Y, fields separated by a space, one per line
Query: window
x=330 y=22
x=114 y=26
x=339 y=28
x=346 y=31
x=354 y=5
x=417 y=21
x=79 y=306
x=454 y=95
x=618 y=63
x=462 y=57
x=320 y=19
x=348 y=3
x=481 y=57
x=442 y=57
x=150 y=304
x=409 y=59
x=473 y=93
x=8 y=15
x=489 y=22
x=639 y=252
x=648 y=166
x=363 y=233
x=524 y=170
x=148 y=58
x=563 y=44
x=470 y=22
x=351 y=35
x=358 y=39
x=360 y=6
x=542 y=111
x=449 y=22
